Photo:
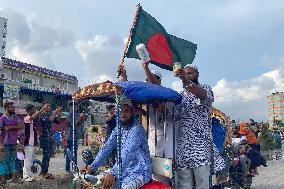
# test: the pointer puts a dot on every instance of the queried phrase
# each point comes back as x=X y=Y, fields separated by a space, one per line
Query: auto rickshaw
x=141 y=94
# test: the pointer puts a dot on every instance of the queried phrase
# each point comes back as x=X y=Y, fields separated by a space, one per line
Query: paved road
x=57 y=164
x=271 y=177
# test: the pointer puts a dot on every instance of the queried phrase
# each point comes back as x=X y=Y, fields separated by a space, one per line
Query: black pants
x=47 y=152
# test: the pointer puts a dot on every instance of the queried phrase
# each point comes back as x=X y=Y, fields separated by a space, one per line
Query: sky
x=240 y=51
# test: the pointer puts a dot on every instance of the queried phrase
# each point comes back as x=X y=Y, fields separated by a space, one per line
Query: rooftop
x=277 y=93
x=14 y=64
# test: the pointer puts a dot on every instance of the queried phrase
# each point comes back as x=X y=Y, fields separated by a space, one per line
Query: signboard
x=33 y=68
x=11 y=93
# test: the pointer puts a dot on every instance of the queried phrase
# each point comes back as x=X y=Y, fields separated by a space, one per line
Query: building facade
x=25 y=83
x=3 y=34
x=275 y=107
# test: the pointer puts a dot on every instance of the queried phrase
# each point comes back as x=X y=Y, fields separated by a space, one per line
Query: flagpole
x=129 y=36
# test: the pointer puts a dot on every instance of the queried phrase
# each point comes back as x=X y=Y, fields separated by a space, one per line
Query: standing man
x=195 y=144
x=159 y=117
x=79 y=118
x=30 y=140
x=46 y=120
x=10 y=124
x=156 y=110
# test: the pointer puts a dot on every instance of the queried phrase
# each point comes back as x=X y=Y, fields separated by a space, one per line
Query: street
x=271 y=177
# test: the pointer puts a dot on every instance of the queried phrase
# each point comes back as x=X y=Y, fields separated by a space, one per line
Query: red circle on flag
x=159 y=50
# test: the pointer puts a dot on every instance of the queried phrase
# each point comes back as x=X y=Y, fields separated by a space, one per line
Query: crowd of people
x=11 y=139
x=200 y=152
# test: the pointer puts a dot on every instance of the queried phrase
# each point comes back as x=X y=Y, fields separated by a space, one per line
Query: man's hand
x=82 y=116
x=83 y=170
x=89 y=170
x=122 y=71
x=58 y=111
x=108 y=181
x=145 y=64
x=1 y=147
x=180 y=73
x=14 y=127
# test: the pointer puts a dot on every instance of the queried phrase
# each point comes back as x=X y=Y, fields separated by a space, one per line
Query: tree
x=266 y=139
x=278 y=122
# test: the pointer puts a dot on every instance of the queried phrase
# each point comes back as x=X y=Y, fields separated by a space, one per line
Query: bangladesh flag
x=164 y=49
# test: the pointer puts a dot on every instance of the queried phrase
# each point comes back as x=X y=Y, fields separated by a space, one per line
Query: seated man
x=135 y=155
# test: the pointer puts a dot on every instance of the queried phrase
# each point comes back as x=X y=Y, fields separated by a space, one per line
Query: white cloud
x=248 y=98
x=102 y=55
x=32 y=42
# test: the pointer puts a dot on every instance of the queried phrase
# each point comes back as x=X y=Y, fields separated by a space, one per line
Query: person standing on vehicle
x=46 y=119
x=195 y=145
x=10 y=124
x=30 y=140
x=159 y=117
x=156 y=113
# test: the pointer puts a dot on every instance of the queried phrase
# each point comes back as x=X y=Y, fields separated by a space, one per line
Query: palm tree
x=278 y=123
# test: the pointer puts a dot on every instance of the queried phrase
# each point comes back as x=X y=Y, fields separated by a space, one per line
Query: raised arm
x=37 y=114
x=150 y=77
x=122 y=72
x=55 y=117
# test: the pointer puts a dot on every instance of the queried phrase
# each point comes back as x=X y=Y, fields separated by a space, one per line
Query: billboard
x=3 y=34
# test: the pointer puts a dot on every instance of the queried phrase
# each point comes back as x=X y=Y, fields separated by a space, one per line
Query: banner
x=11 y=93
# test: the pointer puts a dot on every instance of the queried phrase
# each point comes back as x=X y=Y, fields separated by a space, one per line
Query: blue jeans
x=200 y=174
x=68 y=158
x=8 y=160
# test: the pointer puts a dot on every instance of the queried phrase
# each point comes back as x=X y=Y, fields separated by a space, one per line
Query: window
x=41 y=81
x=16 y=76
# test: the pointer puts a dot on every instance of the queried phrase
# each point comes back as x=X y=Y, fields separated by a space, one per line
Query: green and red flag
x=164 y=49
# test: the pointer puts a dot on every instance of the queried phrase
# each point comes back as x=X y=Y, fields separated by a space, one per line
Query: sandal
x=48 y=176
x=3 y=183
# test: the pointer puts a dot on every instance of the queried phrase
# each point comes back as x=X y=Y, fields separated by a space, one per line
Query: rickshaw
x=142 y=94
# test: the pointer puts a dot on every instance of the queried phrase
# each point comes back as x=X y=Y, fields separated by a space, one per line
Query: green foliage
x=267 y=141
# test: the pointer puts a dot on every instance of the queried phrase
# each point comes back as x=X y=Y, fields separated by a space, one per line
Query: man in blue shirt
x=135 y=155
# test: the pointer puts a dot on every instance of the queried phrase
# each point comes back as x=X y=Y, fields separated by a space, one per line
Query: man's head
x=235 y=130
x=9 y=107
x=46 y=106
x=111 y=109
x=30 y=109
x=158 y=75
x=126 y=115
x=191 y=72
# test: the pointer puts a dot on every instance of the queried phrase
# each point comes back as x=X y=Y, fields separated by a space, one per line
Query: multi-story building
x=3 y=34
x=275 y=107
x=32 y=84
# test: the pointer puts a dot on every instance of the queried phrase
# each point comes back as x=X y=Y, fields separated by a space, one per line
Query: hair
x=29 y=107
x=46 y=102
x=109 y=107
x=7 y=104
x=70 y=104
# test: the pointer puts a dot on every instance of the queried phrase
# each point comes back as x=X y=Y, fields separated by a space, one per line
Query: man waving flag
x=164 y=49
